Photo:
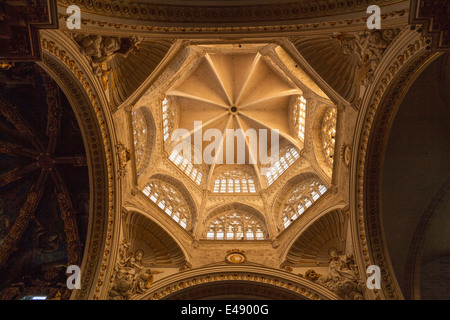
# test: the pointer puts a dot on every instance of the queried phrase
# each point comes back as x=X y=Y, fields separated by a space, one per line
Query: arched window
x=235 y=225
x=191 y=170
x=284 y=162
x=168 y=118
x=300 y=116
x=234 y=181
x=328 y=132
x=300 y=199
x=169 y=200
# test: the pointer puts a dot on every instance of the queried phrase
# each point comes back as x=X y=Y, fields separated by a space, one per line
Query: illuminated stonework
x=329 y=133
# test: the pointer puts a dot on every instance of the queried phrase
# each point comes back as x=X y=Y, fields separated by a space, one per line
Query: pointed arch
x=173 y=198
x=298 y=194
x=235 y=221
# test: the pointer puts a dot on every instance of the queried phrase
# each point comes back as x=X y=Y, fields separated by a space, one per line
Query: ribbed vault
x=234 y=92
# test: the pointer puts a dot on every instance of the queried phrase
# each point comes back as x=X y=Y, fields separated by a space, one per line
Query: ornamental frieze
x=176 y=14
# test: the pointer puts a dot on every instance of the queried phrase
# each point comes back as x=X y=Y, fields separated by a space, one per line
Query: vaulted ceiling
x=305 y=68
x=44 y=181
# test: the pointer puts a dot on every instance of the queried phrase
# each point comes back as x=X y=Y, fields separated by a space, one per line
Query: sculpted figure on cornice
x=101 y=49
x=342 y=277
x=130 y=276
x=368 y=46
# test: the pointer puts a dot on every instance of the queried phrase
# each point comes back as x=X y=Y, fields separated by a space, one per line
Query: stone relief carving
x=101 y=49
x=346 y=154
x=311 y=275
x=124 y=156
x=130 y=275
x=368 y=46
x=235 y=256
x=342 y=277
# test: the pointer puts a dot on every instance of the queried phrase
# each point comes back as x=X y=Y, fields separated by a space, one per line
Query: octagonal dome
x=230 y=95
x=240 y=111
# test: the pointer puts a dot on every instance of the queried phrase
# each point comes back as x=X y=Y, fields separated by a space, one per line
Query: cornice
x=395 y=15
x=225 y=14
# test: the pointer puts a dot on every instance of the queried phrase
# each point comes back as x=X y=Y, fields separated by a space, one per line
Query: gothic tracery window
x=300 y=116
x=141 y=137
x=300 y=199
x=234 y=181
x=191 y=170
x=328 y=133
x=235 y=225
x=284 y=162
x=169 y=200
x=168 y=118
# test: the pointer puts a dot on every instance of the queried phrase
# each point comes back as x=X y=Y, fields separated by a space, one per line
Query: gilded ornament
x=235 y=256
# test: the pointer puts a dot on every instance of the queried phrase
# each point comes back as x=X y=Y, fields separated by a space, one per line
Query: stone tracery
x=300 y=199
x=143 y=137
x=169 y=200
x=235 y=225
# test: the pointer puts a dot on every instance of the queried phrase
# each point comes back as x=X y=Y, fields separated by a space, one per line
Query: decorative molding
x=346 y=154
x=233 y=31
x=100 y=152
x=235 y=256
x=243 y=273
x=233 y=289
x=368 y=160
x=175 y=14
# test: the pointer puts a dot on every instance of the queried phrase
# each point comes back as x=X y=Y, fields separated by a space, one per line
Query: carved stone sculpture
x=311 y=275
x=342 y=277
x=368 y=46
x=101 y=49
x=130 y=275
x=124 y=156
